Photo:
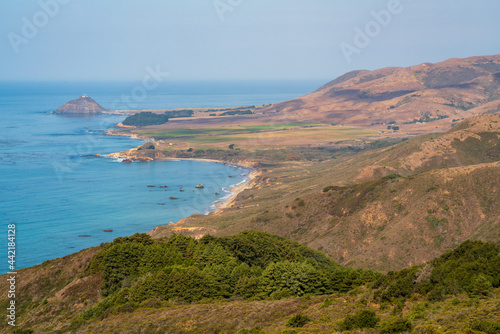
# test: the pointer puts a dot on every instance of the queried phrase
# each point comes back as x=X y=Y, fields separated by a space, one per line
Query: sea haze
x=61 y=198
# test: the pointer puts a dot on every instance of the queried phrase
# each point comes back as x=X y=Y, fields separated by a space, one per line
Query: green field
x=188 y=132
x=260 y=135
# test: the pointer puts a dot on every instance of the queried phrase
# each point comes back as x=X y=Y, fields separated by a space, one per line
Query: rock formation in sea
x=83 y=105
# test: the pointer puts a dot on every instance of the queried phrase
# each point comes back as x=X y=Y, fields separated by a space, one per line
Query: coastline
x=218 y=205
x=234 y=190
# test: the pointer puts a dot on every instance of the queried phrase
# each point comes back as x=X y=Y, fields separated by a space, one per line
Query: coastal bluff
x=83 y=105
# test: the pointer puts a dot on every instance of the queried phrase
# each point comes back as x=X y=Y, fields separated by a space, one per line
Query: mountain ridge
x=418 y=98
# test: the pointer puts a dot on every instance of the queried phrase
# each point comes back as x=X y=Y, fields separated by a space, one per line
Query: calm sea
x=61 y=199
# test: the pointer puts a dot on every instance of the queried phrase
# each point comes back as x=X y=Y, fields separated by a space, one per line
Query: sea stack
x=83 y=105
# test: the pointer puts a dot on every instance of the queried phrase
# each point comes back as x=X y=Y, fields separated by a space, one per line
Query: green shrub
x=327 y=189
x=327 y=302
x=399 y=325
x=486 y=326
x=298 y=320
x=23 y=331
x=480 y=285
x=145 y=119
x=362 y=319
x=392 y=176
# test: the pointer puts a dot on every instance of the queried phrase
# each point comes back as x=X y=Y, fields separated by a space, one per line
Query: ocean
x=61 y=198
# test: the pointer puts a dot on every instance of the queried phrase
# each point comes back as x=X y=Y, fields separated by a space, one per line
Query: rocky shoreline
x=131 y=155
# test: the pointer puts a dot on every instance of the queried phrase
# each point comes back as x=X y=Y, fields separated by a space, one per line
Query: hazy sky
x=236 y=39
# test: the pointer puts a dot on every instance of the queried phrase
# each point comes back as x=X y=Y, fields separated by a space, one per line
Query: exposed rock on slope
x=82 y=105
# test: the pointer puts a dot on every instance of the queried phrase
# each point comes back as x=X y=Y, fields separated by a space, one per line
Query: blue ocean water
x=61 y=198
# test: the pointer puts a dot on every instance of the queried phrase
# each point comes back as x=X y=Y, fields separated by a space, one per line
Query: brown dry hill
x=439 y=93
x=384 y=209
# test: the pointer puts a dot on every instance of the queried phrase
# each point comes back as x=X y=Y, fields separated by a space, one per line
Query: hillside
x=382 y=209
x=417 y=99
x=252 y=282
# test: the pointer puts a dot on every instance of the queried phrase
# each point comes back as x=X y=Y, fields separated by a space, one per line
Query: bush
x=362 y=319
x=23 y=331
x=327 y=189
x=487 y=326
x=480 y=285
x=298 y=320
x=145 y=119
x=391 y=176
x=399 y=325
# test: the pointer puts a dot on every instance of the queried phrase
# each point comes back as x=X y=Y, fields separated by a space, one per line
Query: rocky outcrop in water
x=84 y=105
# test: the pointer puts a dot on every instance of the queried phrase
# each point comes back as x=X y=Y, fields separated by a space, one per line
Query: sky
x=105 y=40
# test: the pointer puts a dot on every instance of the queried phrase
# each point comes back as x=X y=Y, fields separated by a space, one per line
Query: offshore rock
x=84 y=105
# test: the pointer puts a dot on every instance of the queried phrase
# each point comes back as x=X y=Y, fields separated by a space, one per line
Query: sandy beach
x=235 y=189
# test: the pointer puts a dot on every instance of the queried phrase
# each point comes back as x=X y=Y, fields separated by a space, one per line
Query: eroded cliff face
x=83 y=105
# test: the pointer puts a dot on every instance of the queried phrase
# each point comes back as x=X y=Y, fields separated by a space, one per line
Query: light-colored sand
x=235 y=189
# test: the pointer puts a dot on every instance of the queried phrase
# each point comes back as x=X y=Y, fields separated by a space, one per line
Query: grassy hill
x=389 y=239
x=253 y=282
x=383 y=209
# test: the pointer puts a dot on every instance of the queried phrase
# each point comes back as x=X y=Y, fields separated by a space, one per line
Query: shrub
x=399 y=325
x=362 y=319
x=487 y=326
x=391 y=176
x=23 y=331
x=298 y=320
x=327 y=302
x=145 y=119
x=327 y=189
x=480 y=285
